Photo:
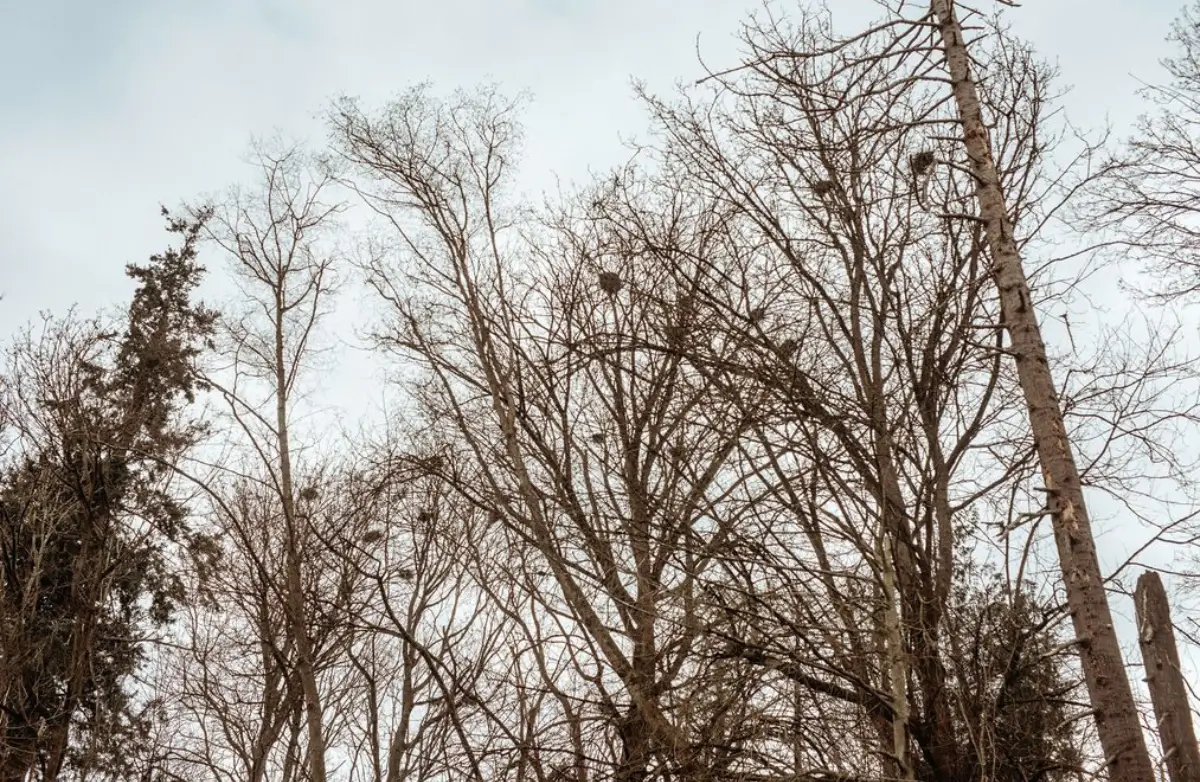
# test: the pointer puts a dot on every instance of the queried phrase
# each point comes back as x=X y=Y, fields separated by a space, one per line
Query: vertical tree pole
x=1104 y=672
x=1168 y=692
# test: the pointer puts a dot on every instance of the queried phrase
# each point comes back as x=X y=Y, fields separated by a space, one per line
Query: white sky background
x=109 y=108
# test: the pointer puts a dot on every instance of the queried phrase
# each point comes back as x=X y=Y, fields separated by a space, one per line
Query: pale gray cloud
x=111 y=108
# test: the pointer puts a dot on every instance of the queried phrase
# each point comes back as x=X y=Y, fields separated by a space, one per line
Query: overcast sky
x=109 y=108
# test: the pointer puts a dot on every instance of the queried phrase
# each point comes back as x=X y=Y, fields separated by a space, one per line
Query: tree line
x=749 y=460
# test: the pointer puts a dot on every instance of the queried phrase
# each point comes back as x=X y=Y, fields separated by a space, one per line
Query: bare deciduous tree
x=274 y=239
x=602 y=459
x=716 y=469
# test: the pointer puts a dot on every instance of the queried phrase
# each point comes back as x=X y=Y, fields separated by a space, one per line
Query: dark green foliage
x=1014 y=686
x=154 y=365
x=88 y=521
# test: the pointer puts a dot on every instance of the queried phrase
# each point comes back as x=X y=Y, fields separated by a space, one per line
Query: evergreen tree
x=88 y=519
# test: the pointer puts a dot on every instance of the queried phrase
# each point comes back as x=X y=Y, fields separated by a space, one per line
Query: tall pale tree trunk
x=273 y=236
x=305 y=666
x=1104 y=671
x=1168 y=690
x=897 y=667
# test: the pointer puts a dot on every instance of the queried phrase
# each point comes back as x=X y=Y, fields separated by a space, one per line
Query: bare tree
x=601 y=459
x=1150 y=189
x=896 y=415
x=274 y=239
x=802 y=285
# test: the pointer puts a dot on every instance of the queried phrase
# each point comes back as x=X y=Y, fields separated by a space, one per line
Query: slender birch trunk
x=1104 y=672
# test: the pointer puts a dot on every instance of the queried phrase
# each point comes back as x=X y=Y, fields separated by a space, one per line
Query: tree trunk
x=305 y=665
x=1103 y=669
x=634 y=734
x=897 y=667
x=1168 y=691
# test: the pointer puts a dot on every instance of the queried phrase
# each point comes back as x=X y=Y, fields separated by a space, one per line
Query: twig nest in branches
x=787 y=348
x=757 y=314
x=686 y=307
x=424 y=515
x=822 y=187
x=308 y=493
x=371 y=536
x=610 y=283
x=922 y=161
x=675 y=333
x=598 y=438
